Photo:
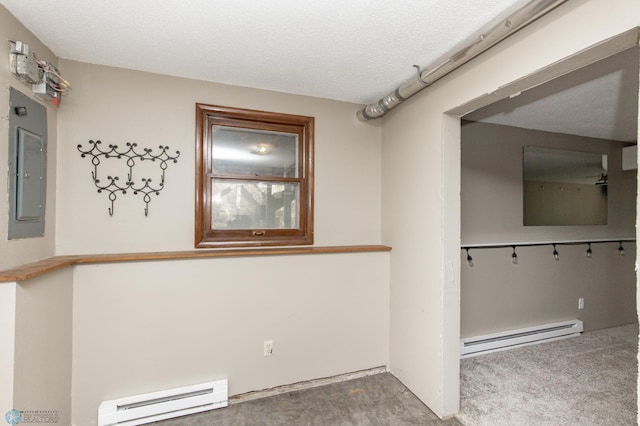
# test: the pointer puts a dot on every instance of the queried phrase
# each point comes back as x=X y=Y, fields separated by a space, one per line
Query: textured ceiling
x=355 y=51
x=599 y=101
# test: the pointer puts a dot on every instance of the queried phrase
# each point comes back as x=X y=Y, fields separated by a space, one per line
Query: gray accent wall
x=497 y=295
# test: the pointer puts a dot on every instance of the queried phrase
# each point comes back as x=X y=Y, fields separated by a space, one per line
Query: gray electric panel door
x=27 y=166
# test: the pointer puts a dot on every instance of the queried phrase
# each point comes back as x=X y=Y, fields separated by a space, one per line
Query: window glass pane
x=248 y=152
x=254 y=205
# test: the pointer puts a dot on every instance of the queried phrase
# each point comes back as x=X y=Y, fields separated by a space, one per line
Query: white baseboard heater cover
x=151 y=407
x=472 y=346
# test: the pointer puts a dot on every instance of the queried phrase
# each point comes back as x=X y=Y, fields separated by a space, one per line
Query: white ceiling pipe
x=472 y=47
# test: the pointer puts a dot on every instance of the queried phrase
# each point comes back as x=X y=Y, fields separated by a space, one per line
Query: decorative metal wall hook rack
x=143 y=185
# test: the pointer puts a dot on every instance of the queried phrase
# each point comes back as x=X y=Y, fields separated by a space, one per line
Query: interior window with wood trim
x=254 y=178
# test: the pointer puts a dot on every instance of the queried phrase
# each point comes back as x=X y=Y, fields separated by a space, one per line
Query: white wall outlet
x=268 y=347
x=581 y=303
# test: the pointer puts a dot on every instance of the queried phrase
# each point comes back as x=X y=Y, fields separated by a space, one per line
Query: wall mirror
x=564 y=187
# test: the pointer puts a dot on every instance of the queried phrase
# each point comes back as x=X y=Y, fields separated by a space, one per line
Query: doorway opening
x=492 y=132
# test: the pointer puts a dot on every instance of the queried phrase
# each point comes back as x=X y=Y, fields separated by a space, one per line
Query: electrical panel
x=29 y=175
x=27 y=166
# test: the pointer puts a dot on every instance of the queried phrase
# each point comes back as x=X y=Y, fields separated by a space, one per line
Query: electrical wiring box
x=46 y=88
x=46 y=81
x=22 y=62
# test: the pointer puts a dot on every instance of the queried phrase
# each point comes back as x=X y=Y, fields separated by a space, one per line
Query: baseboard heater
x=515 y=338
x=151 y=407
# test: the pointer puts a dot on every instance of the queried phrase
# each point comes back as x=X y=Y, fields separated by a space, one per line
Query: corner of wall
x=21 y=251
x=7 y=348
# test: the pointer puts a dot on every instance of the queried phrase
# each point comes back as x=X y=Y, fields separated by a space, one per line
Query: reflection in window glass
x=254 y=205
x=250 y=152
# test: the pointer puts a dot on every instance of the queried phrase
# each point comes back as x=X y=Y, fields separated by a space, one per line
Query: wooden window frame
x=209 y=115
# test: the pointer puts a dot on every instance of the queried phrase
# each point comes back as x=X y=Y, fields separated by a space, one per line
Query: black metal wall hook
x=131 y=158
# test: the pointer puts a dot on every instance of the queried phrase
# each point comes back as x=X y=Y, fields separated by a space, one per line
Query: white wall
x=119 y=106
x=141 y=327
x=35 y=323
x=421 y=190
x=149 y=326
x=20 y=251
x=7 y=349
x=42 y=370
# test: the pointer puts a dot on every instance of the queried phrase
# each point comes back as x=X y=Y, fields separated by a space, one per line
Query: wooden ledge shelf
x=43 y=266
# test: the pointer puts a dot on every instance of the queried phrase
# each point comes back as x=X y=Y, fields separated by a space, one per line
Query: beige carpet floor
x=585 y=380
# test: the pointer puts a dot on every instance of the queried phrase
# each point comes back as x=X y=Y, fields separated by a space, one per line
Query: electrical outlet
x=268 y=347
x=581 y=303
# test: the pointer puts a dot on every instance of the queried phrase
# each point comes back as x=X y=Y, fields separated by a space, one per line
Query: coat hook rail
x=130 y=157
